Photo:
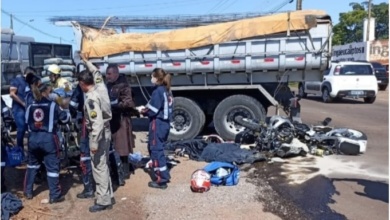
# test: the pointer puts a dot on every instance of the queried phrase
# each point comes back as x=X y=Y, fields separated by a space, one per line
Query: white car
x=344 y=79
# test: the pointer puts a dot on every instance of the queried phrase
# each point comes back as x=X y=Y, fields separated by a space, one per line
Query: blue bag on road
x=222 y=173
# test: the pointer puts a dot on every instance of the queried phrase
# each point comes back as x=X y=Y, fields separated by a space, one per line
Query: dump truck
x=219 y=71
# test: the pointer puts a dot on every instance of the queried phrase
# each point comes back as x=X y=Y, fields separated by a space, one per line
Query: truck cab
x=344 y=79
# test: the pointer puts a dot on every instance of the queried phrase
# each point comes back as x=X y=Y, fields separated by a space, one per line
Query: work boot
x=86 y=194
x=98 y=208
x=28 y=196
x=57 y=200
x=156 y=185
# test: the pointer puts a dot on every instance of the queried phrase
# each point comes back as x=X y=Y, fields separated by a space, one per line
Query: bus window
x=4 y=50
x=24 y=51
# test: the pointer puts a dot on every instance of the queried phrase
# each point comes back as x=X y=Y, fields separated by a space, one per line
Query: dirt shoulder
x=136 y=200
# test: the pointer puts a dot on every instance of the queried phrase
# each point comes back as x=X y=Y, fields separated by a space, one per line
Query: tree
x=350 y=26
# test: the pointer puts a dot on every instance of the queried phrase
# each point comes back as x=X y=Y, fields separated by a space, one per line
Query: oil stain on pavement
x=307 y=200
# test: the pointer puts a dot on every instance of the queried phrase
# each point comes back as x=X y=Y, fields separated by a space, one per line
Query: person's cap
x=54 y=68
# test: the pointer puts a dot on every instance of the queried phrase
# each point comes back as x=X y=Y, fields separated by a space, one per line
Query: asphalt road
x=359 y=184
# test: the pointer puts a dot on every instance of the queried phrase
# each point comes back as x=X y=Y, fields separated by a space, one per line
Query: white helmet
x=200 y=181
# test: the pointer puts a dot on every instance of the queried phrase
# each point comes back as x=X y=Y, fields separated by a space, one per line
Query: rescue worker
x=122 y=107
x=159 y=112
x=5 y=118
x=42 y=118
x=17 y=92
x=57 y=81
x=33 y=81
x=97 y=111
x=77 y=105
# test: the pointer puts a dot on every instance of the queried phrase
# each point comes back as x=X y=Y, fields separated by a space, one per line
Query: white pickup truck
x=344 y=79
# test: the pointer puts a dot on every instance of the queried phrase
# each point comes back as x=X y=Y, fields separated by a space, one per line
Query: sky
x=36 y=13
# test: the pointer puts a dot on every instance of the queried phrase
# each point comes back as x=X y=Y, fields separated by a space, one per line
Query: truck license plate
x=357 y=93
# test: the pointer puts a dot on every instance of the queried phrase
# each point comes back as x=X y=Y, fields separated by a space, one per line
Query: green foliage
x=350 y=26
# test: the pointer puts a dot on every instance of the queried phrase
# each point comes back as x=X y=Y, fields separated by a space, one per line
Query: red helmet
x=200 y=181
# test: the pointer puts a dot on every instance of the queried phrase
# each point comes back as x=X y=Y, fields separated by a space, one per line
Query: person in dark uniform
x=77 y=105
x=159 y=112
x=5 y=118
x=42 y=118
x=122 y=107
x=17 y=92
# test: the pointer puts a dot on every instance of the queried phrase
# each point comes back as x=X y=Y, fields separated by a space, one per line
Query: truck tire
x=231 y=107
x=369 y=100
x=188 y=119
x=301 y=91
x=326 y=95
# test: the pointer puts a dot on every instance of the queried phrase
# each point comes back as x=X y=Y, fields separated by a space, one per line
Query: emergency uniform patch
x=38 y=115
x=93 y=114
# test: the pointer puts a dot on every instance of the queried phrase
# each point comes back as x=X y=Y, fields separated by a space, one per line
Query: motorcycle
x=332 y=140
x=274 y=138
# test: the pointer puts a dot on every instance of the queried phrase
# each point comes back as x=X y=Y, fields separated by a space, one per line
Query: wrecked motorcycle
x=331 y=140
x=274 y=138
x=281 y=137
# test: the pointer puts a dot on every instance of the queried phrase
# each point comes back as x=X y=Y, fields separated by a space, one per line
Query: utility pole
x=299 y=5
x=12 y=22
x=368 y=20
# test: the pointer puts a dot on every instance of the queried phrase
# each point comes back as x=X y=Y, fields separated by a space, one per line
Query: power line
x=215 y=6
x=234 y=2
x=108 y=8
x=34 y=28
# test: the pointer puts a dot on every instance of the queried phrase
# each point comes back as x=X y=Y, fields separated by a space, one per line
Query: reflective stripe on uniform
x=4 y=109
x=85 y=158
x=3 y=164
x=152 y=108
x=33 y=166
x=74 y=104
x=114 y=102
x=67 y=118
x=160 y=168
x=165 y=106
x=51 y=174
x=51 y=116
x=27 y=114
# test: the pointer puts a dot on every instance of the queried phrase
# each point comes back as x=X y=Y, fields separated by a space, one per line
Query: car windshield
x=377 y=66
x=356 y=70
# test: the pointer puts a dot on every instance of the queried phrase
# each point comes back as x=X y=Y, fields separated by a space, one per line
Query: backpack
x=230 y=179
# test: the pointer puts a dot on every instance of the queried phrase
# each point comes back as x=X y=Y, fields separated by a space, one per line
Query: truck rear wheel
x=231 y=107
x=188 y=119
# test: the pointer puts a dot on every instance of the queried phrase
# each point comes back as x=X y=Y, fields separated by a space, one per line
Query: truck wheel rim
x=181 y=122
x=229 y=122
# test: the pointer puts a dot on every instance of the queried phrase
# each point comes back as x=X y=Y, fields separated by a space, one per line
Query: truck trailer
x=219 y=71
